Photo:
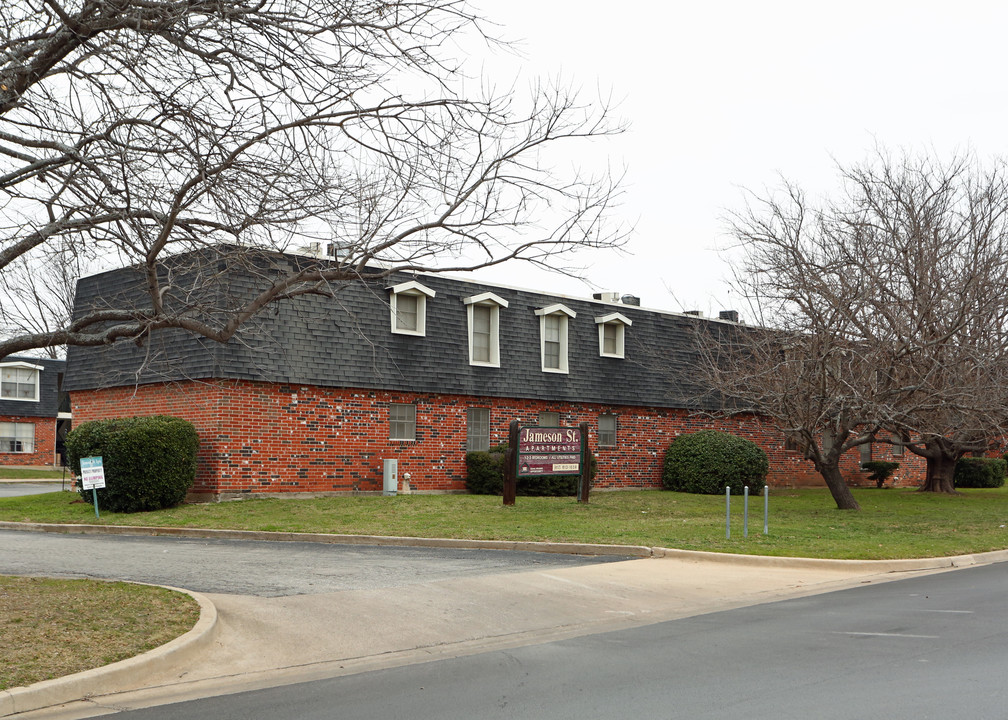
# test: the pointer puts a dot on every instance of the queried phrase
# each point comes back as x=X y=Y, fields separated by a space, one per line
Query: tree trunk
x=940 y=473
x=838 y=486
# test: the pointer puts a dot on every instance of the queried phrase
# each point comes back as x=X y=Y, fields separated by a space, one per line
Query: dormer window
x=19 y=381
x=553 y=322
x=611 y=334
x=408 y=304
x=484 y=328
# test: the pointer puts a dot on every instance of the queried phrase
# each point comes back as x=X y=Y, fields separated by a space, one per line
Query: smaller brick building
x=32 y=419
x=318 y=391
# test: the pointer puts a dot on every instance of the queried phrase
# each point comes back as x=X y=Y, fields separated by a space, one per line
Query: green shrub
x=880 y=470
x=705 y=462
x=149 y=462
x=485 y=476
x=485 y=471
x=979 y=472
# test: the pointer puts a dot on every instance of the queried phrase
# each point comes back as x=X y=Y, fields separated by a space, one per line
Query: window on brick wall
x=898 y=440
x=607 y=431
x=402 y=422
x=866 y=453
x=477 y=429
x=549 y=419
x=19 y=381
x=792 y=443
x=17 y=437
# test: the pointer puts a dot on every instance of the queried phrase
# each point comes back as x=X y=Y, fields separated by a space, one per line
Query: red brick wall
x=262 y=437
x=45 y=443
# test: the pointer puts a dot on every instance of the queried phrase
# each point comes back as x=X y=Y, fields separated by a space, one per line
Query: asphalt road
x=933 y=646
x=266 y=569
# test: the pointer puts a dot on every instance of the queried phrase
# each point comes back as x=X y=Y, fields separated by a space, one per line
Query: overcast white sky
x=721 y=96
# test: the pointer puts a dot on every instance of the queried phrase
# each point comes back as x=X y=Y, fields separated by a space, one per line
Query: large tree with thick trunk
x=931 y=244
x=897 y=289
x=133 y=130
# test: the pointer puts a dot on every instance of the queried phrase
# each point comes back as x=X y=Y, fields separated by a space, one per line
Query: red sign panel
x=549 y=451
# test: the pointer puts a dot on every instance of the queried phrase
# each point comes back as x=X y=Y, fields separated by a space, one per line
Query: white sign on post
x=92 y=473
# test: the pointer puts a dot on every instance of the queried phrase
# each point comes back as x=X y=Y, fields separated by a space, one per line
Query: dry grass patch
x=51 y=628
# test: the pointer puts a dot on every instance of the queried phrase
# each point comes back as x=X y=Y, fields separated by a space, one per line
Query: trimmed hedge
x=979 y=472
x=485 y=471
x=149 y=462
x=880 y=470
x=485 y=476
x=705 y=462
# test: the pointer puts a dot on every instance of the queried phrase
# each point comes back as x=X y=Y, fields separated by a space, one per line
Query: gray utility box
x=390 y=477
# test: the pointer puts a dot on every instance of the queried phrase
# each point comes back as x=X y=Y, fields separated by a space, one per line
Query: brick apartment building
x=318 y=391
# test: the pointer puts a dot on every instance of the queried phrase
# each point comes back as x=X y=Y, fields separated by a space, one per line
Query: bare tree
x=801 y=367
x=895 y=296
x=132 y=130
x=932 y=239
x=38 y=291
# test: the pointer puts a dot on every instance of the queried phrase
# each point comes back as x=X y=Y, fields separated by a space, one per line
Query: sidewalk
x=243 y=643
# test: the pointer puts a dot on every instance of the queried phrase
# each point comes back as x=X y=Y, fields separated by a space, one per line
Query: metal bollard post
x=727 y=510
x=745 y=512
x=766 y=509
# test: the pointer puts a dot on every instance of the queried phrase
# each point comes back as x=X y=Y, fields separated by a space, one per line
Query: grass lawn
x=893 y=523
x=50 y=628
x=20 y=473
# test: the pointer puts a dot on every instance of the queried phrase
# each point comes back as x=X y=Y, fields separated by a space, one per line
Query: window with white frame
x=408 y=303
x=898 y=444
x=607 y=430
x=17 y=437
x=19 y=381
x=866 y=453
x=402 y=422
x=477 y=429
x=553 y=322
x=611 y=334
x=484 y=328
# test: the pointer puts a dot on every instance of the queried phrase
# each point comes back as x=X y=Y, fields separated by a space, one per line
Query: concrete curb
x=872 y=566
x=639 y=551
x=335 y=539
x=119 y=676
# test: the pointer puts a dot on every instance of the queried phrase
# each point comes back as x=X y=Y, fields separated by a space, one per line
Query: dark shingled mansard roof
x=346 y=341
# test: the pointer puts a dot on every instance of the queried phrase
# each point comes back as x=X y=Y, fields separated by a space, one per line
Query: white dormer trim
x=412 y=289
x=557 y=308
x=619 y=322
x=615 y=317
x=484 y=299
x=23 y=365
